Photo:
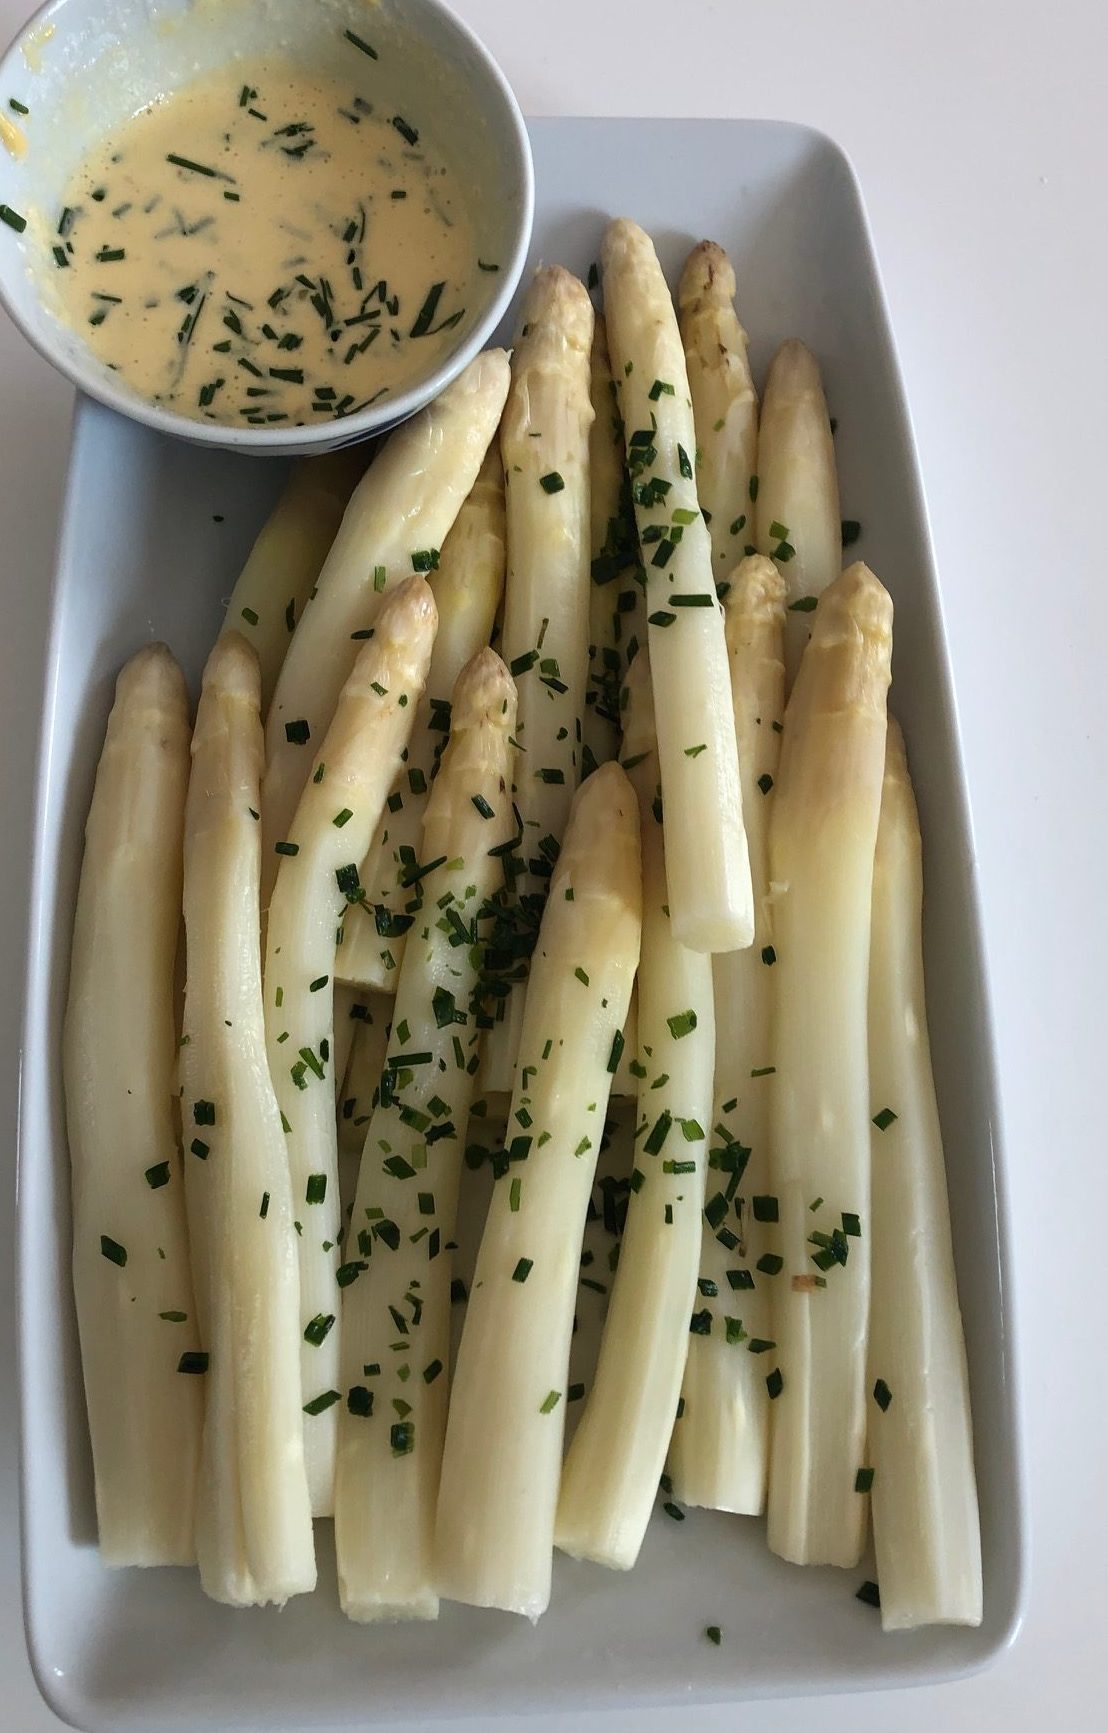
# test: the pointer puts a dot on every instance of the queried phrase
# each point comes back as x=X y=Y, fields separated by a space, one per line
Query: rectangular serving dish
x=154 y=533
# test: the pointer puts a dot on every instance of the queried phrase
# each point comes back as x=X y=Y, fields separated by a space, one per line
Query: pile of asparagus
x=660 y=850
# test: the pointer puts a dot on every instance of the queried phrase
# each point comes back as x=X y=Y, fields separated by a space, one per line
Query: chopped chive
x=882 y=1395
x=288 y=848
x=804 y=605
x=316 y=1189
x=360 y=43
x=158 y=1175
x=769 y=956
x=870 y=1594
x=264 y=1210
x=318 y=1328
x=682 y=1024
x=765 y=1209
x=863 y=1480
x=713 y=1634
x=195 y=1362
x=113 y=1251
x=851 y=530
x=523 y=1269
x=673 y=1510
x=884 y=1119
x=550 y=1402
x=775 y=1383
x=174 y=1317
x=552 y=482
x=342 y=818
x=320 y=1404
x=13 y=219
x=198 y=168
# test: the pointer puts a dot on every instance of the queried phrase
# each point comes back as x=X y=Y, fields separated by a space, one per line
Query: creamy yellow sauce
x=267 y=247
x=13 y=138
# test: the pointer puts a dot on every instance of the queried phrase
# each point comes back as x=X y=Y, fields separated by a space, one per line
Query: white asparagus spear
x=274 y=585
x=725 y=403
x=395 y=524
x=720 y=1446
x=544 y=443
x=467 y=587
x=253 y=1520
x=822 y=835
x=396 y=1310
x=359 y=1087
x=351 y=1004
x=337 y=815
x=613 y=597
x=797 y=495
x=706 y=858
x=502 y=1459
x=610 y=1478
x=139 y=1333
x=926 y=1525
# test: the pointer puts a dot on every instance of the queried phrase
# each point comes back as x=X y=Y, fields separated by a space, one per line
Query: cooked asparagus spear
x=725 y=403
x=396 y=1307
x=721 y=1443
x=139 y=1334
x=334 y=821
x=706 y=858
x=544 y=442
x=797 y=510
x=925 y=1519
x=467 y=588
x=253 y=1520
x=611 y=1471
x=395 y=524
x=502 y=1458
x=358 y=1095
x=822 y=835
x=274 y=585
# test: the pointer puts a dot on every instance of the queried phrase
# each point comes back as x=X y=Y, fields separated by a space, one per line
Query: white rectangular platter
x=154 y=534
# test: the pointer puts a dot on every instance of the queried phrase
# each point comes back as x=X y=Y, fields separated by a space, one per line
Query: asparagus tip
x=708 y=275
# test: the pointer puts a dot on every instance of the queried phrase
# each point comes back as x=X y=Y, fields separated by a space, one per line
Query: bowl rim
x=329 y=435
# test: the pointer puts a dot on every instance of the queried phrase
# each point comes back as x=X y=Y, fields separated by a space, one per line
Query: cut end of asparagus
x=848 y=662
x=708 y=278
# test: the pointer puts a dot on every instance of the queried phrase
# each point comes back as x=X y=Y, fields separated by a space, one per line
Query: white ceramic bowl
x=81 y=67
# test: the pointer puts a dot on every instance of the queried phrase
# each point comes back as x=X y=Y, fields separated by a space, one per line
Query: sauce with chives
x=266 y=247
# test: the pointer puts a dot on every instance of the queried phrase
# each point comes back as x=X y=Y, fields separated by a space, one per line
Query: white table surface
x=977 y=129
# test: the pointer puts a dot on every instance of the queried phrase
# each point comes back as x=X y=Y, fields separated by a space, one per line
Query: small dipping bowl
x=82 y=68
